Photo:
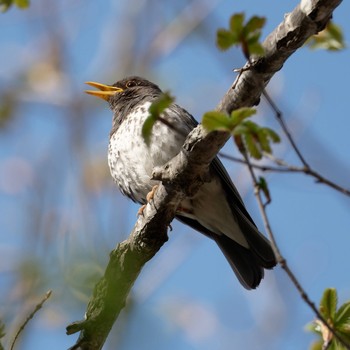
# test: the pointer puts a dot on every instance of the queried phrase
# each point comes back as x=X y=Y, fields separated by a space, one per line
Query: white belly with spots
x=131 y=161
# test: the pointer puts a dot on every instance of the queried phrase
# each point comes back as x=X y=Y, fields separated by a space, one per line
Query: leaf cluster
x=339 y=319
x=239 y=33
x=331 y=38
x=248 y=135
x=6 y=4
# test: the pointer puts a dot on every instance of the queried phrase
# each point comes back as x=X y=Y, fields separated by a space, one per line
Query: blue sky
x=187 y=297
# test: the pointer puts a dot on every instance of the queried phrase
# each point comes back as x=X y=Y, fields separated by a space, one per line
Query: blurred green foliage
x=2 y=333
x=331 y=38
x=339 y=319
x=7 y=107
x=248 y=135
x=6 y=4
x=246 y=35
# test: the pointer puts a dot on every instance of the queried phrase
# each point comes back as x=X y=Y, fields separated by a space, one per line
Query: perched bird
x=216 y=210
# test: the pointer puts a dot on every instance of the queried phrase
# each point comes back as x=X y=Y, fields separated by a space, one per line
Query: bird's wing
x=217 y=167
x=247 y=263
x=234 y=197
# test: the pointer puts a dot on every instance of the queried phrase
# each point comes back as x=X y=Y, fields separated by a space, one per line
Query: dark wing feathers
x=257 y=242
x=248 y=264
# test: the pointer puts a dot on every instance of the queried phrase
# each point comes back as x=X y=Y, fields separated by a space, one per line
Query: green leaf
x=317 y=345
x=253 y=127
x=236 y=23
x=264 y=140
x=240 y=114
x=265 y=135
x=339 y=319
x=225 y=39
x=160 y=104
x=254 y=24
x=252 y=42
x=147 y=129
x=256 y=49
x=252 y=38
x=264 y=187
x=6 y=4
x=247 y=35
x=328 y=304
x=217 y=121
x=334 y=345
x=262 y=137
x=251 y=146
x=155 y=110
x=7 y=108
x=240 y=129
x=252 y=33
x=273 y=135
x=344 y=332
x=331 y=38
x=342 y=317
x=336 y=33
x=22 y=4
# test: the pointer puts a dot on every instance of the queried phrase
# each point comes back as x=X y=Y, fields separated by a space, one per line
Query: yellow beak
x=106 y=90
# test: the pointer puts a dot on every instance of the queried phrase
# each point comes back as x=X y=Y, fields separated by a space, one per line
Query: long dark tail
x=246 y=264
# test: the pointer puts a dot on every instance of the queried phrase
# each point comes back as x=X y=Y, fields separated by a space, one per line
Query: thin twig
x=284 y=167
x=31 y=315
x=311 y=172
x=279 y=117
x=263 y=167
x=306 y=169
x=281 y=260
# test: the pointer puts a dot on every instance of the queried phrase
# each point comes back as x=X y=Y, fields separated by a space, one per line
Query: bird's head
x=123 y=91
x=124 y=95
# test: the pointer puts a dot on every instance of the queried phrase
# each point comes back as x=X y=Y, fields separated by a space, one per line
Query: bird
x=216 y=210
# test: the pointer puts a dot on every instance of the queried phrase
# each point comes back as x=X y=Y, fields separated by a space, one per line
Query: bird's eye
x=130 y=83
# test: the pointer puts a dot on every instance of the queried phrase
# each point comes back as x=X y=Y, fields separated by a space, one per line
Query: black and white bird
x=216 y=210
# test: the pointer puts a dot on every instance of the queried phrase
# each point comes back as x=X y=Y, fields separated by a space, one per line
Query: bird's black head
x=125 y=94
x=131 y=88
x=135 y=83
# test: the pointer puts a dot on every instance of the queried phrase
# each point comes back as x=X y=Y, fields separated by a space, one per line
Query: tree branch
x=184 y=174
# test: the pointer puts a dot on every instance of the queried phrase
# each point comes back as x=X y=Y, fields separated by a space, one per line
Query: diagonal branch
x=184 y=174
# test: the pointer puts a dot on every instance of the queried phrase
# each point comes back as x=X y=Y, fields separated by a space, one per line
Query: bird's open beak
x=106 y=90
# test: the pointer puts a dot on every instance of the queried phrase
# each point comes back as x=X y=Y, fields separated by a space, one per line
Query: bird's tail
x=248 y=263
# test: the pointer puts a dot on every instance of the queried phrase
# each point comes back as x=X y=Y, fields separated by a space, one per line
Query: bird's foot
x=151 y=193
x=140 y=211
x=149 y=197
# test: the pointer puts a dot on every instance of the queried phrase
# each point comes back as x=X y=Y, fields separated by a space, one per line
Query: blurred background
x=61 y=214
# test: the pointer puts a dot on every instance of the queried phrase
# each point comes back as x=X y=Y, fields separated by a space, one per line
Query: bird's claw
x=149 y=197
x=151 y=193
x=140 y=211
